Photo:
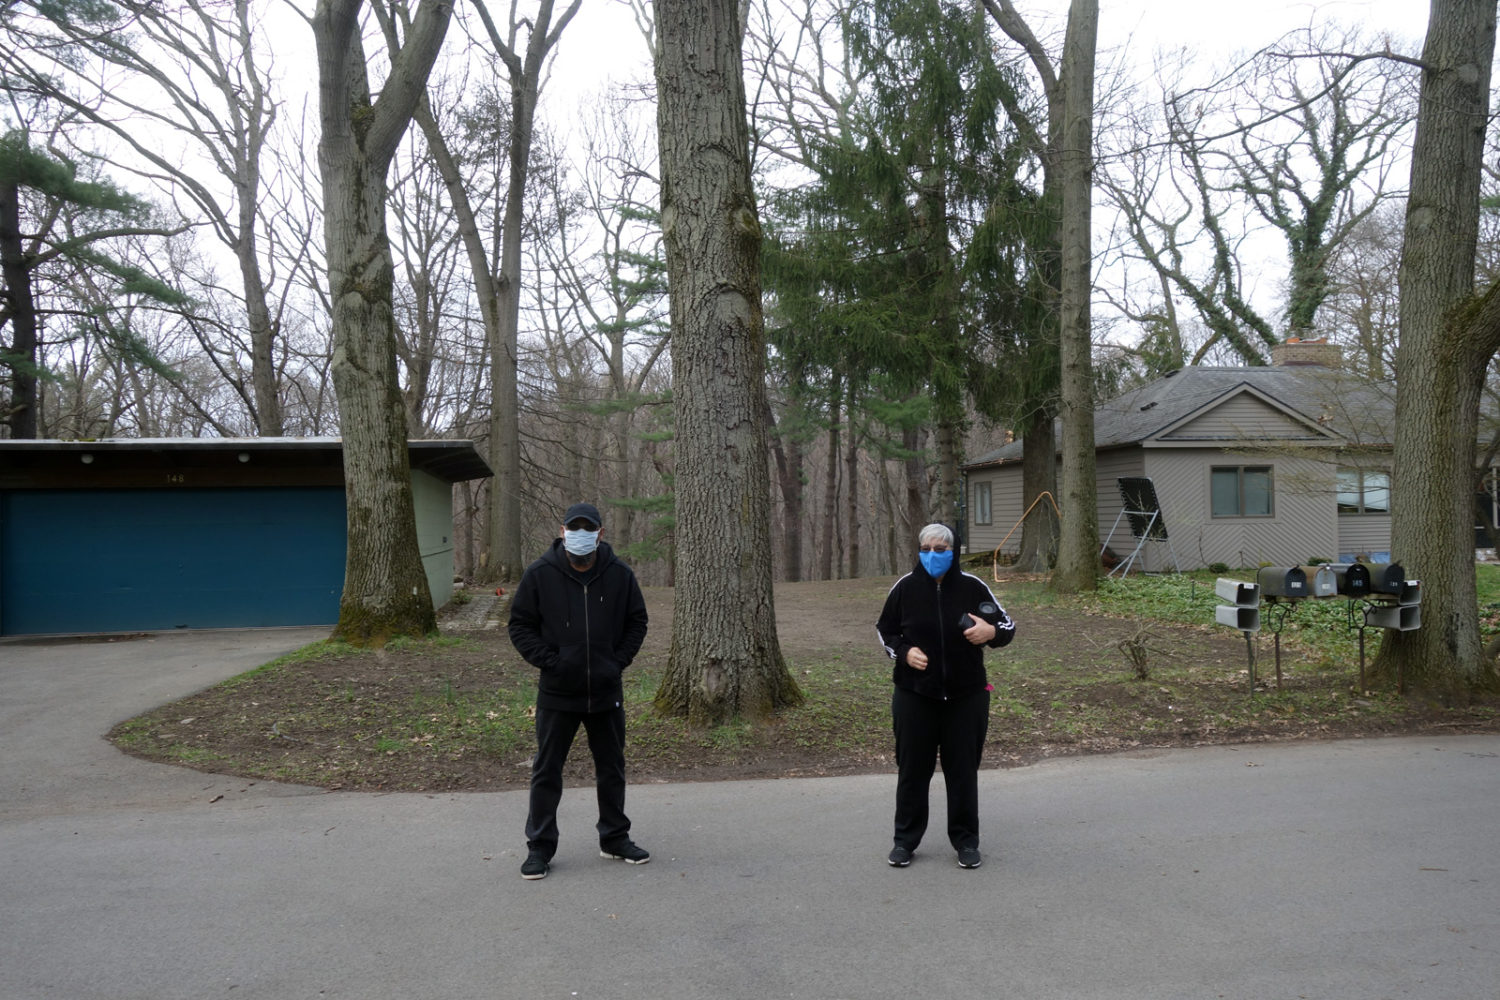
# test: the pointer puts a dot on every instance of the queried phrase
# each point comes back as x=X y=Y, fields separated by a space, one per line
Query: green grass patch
x=458 y=712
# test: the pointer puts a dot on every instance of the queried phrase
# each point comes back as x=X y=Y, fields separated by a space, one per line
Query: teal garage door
x=146 y=560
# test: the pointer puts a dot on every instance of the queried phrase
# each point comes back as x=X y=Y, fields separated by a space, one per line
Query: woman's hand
x=916 y=659
x=980 y=632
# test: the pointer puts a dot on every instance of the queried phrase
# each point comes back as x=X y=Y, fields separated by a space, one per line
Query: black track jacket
x=923 y=612
x=581 y=630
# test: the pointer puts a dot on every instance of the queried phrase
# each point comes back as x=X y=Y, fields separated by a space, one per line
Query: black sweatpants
x=927 y=728
x=554 y=737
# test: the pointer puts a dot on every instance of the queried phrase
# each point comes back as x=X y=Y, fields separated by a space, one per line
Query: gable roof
x=1302 y=404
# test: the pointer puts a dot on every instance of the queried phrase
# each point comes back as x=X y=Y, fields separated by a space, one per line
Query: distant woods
x=182 y=243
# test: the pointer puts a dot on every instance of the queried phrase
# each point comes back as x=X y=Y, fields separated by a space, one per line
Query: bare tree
x=1066 y=155
x=385 y=588
x=606 y=254
x=524 y=67
x=206 y=86
x=1300 y=139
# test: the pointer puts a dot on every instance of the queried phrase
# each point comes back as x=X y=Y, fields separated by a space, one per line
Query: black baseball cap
x=586 y=511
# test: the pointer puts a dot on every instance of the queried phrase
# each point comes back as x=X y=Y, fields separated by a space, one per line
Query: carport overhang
x=211 y=462
x=146 y=534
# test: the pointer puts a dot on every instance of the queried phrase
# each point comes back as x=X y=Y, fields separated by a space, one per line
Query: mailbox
x=1323 y=582
x=1402 y=617
x=1387 y=578
x=1410 y=593
x=1353 y=579
x=1242 y=619
x=1283 y=581
x=1243 y=610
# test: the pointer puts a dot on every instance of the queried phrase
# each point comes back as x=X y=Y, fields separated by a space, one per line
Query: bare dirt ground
x=455 y=714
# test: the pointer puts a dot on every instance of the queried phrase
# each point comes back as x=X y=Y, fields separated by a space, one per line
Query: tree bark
x=831 y=483
x=1039 y=533
x=1447 y=340
x=1078 y=546
x=725 y=658
x=21 y=359
x=787 y=452
x=1066 y=156
x=385 y=588
x=851 y=507
x=918 y=516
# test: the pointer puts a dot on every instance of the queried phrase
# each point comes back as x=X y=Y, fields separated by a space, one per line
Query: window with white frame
x=1364 y=491
x=983 y=512
x=1241 y=491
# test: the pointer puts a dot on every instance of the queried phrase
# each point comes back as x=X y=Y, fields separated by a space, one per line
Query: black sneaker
x=899 y=857
x=628 y=852
x=968 y=857
x=535 y=866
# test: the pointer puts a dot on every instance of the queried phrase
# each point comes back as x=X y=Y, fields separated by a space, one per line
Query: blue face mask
x=580 y=543
x=936 y=563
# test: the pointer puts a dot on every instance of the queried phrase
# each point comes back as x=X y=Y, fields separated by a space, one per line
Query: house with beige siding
x=1279 y=464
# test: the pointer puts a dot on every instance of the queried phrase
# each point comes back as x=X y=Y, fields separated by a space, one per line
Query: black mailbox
x=1283 y=581
x=1387 y=578
x=1353 y=578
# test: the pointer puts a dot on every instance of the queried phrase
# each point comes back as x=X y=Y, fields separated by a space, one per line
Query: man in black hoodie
x=578 y=616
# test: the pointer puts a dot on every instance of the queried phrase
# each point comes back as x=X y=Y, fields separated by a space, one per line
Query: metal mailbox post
x=1388 y=598
x=1243 y=610
x=1241 y=613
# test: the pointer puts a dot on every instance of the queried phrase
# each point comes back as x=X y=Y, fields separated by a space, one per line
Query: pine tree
x=98 y=212
x=899 y=271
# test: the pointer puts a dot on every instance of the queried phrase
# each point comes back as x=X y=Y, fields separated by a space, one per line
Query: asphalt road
x=1359 y=869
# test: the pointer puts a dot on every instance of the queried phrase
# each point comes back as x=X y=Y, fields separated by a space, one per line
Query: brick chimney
x=1296 y=351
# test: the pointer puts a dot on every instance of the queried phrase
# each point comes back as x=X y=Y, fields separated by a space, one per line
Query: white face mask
x=581 y=542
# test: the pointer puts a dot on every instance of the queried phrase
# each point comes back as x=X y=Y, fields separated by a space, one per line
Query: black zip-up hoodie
x=924 y=612
x=581 y=630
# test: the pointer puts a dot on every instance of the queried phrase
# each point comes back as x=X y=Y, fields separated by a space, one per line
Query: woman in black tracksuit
x=935 y=624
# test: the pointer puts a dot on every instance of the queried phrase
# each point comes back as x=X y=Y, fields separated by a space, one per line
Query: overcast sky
x=603 y=42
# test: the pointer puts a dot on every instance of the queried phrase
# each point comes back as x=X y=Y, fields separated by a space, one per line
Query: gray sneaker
x=968 y=857
x=899 y=857
x=628 y=852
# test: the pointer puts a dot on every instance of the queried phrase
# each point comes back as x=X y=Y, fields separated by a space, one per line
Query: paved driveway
x=1362 y=869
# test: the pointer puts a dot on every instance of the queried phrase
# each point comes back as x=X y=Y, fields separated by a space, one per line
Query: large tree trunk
x=385 y=587
x=1078 y=546
x=1446 y=343
x=725 y=659
x=1041 y=535
x=1038 y=476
